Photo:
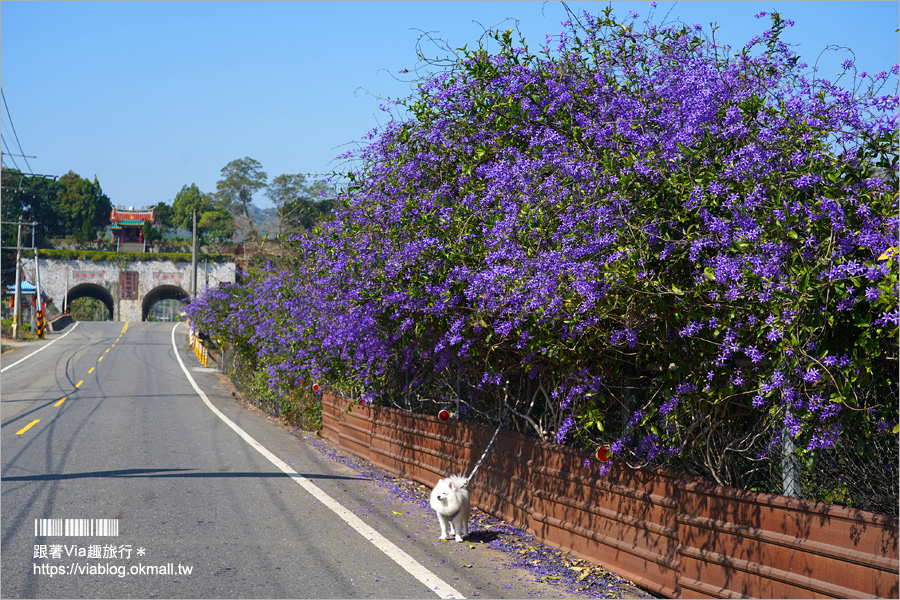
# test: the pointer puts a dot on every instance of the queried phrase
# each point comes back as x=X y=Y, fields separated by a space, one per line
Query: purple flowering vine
x=631 y=235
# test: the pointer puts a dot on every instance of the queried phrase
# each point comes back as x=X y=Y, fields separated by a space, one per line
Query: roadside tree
x=241 y=179
x=299 y=205
x=214 y=224
x=81 y=206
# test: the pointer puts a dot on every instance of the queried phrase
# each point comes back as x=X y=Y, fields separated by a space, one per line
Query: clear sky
x=152 y=96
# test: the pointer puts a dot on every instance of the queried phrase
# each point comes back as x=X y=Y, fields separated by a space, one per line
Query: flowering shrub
x=639 y=238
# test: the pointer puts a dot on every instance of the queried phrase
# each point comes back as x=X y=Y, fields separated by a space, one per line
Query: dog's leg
x=457 y=528
x=444 y=523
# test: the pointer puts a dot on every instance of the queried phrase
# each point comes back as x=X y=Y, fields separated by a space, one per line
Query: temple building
x=127 y=226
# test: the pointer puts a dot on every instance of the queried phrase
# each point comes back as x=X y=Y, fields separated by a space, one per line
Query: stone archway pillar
x=128 y=310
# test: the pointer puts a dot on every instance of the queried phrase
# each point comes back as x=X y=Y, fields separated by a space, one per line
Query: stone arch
x=162 y=292
x=92 y=290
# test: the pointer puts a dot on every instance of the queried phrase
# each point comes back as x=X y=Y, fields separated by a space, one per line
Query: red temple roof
x=130 y=216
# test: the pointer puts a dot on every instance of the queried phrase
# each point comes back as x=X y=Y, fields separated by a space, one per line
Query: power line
x=15 y=134
x=13 y=125
x=8 y=153
x=5 y=129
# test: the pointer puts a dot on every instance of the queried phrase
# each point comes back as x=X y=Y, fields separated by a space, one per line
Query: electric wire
x=10 y=154
x=16 y=135
x=6 y=131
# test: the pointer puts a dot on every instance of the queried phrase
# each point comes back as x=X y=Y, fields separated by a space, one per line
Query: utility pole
x=17 y=316
x=17 y=312
x=41 y=318
x=194 y=255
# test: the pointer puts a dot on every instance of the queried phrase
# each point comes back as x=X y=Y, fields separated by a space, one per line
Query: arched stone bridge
x=129 y=289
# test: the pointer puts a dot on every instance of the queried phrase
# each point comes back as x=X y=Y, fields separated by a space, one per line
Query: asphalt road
x=103 y=423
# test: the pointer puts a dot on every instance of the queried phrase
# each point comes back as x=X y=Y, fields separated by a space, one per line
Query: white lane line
x=41 y=348
x=409 y=564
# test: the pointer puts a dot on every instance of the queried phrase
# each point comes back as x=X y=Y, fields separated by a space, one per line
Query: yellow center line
x=91 y=371
x=63 y=399
x=107 y=350
x=27 y=427
x=79 y=383
x=99 y=359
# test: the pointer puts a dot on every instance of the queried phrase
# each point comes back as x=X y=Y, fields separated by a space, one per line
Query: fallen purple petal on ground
x=549 y=566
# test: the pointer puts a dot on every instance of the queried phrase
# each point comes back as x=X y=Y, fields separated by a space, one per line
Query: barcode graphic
x=76 y=527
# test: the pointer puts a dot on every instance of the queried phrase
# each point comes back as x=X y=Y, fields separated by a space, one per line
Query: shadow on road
x=129 y=473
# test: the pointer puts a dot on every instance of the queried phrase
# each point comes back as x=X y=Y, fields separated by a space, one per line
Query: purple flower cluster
x=631 y=199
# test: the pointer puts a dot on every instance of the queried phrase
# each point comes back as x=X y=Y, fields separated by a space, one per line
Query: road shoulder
x=497 y=560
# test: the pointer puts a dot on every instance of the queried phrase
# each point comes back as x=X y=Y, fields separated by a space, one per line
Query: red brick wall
x=677 y=537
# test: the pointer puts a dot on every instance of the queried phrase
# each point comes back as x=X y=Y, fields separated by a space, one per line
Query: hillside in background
x=265 y=219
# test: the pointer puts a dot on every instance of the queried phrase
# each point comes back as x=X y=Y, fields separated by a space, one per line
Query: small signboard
x=87 y=275
x=128 y=285
x=169 y=276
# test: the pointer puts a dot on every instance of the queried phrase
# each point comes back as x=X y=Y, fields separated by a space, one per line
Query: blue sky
x=151 y=96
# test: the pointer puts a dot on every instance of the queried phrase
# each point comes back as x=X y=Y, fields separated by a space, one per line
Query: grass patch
x=103 y=255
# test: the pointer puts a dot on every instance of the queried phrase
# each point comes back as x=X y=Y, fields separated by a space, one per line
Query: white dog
x=450 y=500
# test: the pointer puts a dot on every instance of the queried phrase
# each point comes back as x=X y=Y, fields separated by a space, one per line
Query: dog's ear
x=450 y=485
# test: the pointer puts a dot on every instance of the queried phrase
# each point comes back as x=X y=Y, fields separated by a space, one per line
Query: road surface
x=118 y=427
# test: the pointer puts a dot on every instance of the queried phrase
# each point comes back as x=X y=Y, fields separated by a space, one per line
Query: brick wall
x=681 y=538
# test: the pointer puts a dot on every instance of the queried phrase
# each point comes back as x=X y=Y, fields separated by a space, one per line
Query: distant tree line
x=299 y=203
x=74 y=207
x=70 y=206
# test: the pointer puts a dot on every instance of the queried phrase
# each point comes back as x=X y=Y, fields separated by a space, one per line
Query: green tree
x=88 y=309
x=30 y=198
x=213 y=222
x=299 y=205
x=71 y=206
x=81 y=206
x=151 y=233
x=215 y=225
x=103 y=208
x=185 y=202
x=164 y=215
x=241 y=178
